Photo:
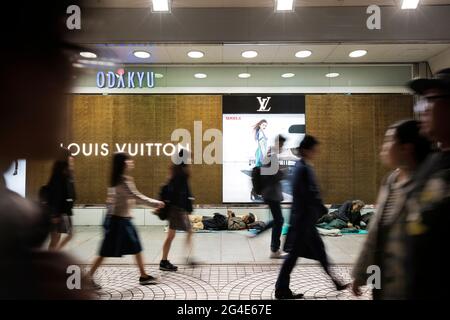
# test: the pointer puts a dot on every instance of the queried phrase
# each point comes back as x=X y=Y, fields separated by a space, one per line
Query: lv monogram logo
x=263 y=103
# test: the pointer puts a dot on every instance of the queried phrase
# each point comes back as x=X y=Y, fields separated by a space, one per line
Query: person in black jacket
x=178 y=198
x=347 y=216
x=307 y=207
x=61 y=197
x=350 y=212
x=273 y=196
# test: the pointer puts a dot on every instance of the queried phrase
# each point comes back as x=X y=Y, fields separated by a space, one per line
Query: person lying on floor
x=240 y=223
x=347 y=216
x=220 y=222
x=217 y=222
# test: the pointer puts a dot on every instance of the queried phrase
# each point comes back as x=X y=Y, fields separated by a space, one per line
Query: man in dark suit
x=307 y=207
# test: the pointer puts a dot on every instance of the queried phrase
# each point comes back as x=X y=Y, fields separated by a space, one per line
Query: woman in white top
x=121 y=236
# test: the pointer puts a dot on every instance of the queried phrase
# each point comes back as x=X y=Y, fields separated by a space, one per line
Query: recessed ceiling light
x=160 y=6
x=303 y=54
x=284 y=5
x=195 y=54
x=159 y=75
x=332 y=75
x=410 y=4
x=106 y=63
x=87 y=54
x=142 y=54
x=249 y=54
x=288 y=75
x=97 y=63
x=244 y=75
x=357 y=53
x=200 y=75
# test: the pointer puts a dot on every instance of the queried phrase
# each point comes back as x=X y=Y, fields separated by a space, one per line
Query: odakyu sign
x=125 y=80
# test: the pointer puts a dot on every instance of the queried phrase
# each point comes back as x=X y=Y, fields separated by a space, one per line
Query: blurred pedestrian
x=404 y=150
x=177 y=195
x=31 y=126
x=307 y=207
x=60 y=199
x=271 y=177
x=429 y=202
x=121 y=237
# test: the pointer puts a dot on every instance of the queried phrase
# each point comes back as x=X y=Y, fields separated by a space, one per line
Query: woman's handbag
x=162 y=213
x=164 y=195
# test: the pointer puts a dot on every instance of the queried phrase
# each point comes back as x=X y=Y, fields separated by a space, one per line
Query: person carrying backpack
x=271 y=191
x=178 y=198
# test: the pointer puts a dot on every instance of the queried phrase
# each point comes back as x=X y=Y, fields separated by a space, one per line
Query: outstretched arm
x=139 y=197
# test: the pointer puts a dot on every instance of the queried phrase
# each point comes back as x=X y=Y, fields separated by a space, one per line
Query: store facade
x=206 y=117
x=147 y=96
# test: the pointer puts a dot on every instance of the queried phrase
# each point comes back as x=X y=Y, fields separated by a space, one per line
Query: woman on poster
x=261 y=141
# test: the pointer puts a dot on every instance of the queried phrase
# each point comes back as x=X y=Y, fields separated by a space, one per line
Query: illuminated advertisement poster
x=250 y=125
x=15 y=177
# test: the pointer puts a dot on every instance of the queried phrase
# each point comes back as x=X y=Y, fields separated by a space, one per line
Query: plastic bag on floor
x=330 y=232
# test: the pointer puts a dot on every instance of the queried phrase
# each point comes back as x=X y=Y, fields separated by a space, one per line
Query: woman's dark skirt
x=121 y=237
x=178 y=219
x=64 y=225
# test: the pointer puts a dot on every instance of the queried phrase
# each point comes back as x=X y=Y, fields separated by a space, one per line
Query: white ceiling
x=250 y=3
x=270 y=53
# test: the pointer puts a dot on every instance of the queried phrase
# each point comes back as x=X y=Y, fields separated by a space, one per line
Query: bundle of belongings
x=347 y=218
x=229 y=222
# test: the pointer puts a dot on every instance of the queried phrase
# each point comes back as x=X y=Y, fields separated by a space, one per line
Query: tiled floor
x=209 y=248
x=220 y=282
x=232 y=266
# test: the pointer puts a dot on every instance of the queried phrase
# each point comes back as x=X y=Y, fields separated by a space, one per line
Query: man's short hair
x=360 y=203
x=441 y=80
x=281 y=138
x=308 y=143
x=251 y=218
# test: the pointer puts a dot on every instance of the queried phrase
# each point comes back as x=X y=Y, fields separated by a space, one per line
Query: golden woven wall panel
x=135 y=120
x=350 y=128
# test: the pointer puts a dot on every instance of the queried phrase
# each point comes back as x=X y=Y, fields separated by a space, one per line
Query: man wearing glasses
x=428 y=206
